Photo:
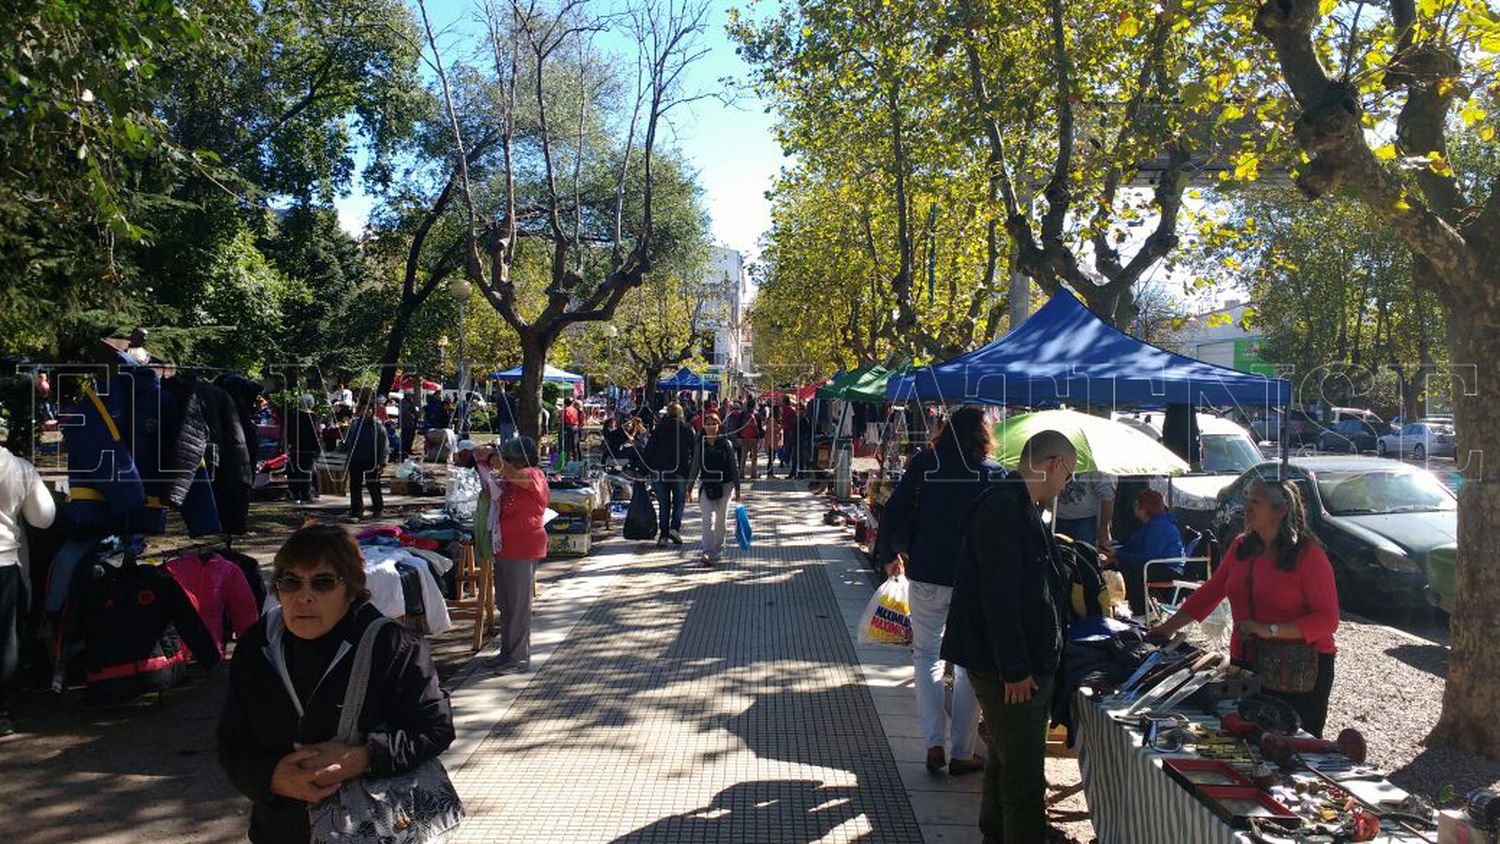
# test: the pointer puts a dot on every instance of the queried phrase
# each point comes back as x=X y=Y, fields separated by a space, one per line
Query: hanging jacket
x=186 y=454
x=229 y=461
x=219 y=593
x=154 y=418
x=130 y=619
x=104 y=485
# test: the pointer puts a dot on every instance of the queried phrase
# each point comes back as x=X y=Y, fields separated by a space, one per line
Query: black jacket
x=669 y=452
x=717 y=463
x=132 y=620
x=1009 y=589
x=228 y=457
x=929 y=506
x=406 y=716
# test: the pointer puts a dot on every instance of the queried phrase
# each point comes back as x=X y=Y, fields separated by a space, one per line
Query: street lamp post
x=462 y=290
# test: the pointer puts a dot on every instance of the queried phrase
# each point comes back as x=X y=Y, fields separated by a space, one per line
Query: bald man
x=1005 y=626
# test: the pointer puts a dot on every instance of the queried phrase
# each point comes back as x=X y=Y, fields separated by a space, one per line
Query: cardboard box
x=568 y=545
x=1455 y=828
x=569 y=525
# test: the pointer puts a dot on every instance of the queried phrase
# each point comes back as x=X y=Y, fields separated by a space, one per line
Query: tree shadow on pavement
x=789 y=811
x=1430 y=658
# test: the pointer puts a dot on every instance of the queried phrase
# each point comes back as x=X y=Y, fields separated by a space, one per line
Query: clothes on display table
x=387 y=569
x=219 y=592
x=129 y=620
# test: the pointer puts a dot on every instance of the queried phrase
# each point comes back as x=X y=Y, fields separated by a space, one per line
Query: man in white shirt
x=1086 y=507
x=22 y=496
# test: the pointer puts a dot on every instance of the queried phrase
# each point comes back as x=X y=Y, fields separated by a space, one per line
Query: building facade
x=1217 y=337
x=729 y=352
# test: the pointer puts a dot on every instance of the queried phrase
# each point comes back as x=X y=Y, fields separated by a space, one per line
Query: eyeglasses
x=291 y=584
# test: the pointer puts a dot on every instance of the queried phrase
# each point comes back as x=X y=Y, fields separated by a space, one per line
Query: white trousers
x=929 y=615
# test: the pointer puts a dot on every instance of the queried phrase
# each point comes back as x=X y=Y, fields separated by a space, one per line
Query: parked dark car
x=1379 y=519
x=1351 y=436
x=1301 y=428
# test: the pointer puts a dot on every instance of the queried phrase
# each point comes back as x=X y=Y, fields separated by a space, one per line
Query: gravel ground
x=1389 y=686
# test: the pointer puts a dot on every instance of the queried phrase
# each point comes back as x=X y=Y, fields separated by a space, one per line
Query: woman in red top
x=523 y=543
x=1295 y=597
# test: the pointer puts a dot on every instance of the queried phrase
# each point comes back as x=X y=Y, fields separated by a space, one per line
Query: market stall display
x=1166 y=759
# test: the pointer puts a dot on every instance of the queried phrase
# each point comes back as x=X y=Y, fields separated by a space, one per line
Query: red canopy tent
x=405 y=383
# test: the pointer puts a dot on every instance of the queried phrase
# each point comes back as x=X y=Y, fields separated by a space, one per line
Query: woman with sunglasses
x=520 y=494
x=287 y=684
x=1280 y=587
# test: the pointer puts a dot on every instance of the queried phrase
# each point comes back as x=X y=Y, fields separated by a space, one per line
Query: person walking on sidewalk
x=715 y=462
x=1005 y=626
x=924 y=521
x=669 y=456
x=751 y=429
x=518 y=494
x=368 y=451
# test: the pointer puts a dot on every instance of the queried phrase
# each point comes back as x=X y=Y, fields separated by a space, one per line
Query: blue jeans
x=671 y=498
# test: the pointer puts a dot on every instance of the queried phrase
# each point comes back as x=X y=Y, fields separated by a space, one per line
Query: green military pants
x=1015 y=781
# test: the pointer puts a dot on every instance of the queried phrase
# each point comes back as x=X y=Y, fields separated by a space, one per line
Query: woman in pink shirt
x=520 y=494
x=1294 y=593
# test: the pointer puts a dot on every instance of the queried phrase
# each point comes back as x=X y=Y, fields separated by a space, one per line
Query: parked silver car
x=1419 y=440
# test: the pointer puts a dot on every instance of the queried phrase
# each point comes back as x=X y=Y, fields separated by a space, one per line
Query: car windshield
x=1227 y=453
x=1383 y=491
x=1351 y=426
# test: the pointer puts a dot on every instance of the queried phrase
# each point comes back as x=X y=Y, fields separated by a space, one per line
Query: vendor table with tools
x=1134 y=800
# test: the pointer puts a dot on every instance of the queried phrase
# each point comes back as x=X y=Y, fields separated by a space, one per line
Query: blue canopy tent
x=687 y=379
x=549 y=373
x=1064 y=353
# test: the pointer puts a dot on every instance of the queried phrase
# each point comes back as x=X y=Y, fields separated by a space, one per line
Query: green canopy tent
x=865 y=384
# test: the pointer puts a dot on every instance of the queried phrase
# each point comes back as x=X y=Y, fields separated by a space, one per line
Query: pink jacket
x=219 y=593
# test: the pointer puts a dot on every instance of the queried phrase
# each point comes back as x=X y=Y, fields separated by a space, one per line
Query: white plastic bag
x=887 y=617
x=462 y=494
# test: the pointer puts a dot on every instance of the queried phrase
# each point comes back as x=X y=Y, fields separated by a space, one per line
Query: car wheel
x=1381 y=449
x=1419 y=452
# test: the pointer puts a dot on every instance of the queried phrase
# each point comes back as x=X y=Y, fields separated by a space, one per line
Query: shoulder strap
x=1250 y=587
x=359 y=681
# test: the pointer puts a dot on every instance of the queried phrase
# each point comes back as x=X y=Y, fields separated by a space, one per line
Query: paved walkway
x=676 y=703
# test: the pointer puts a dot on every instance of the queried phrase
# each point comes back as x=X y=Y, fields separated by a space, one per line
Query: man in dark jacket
x=1005 y=627
x=669 y=456
x=368 y=452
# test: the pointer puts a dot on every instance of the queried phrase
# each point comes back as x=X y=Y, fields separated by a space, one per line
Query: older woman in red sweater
x=521 y=495
x=1280 y=587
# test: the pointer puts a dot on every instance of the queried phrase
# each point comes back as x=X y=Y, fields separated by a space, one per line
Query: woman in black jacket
x=717 y=464
x=287 y=684
x=923 y=520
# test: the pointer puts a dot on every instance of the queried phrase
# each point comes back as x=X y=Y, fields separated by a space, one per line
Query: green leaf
x=1128 y=27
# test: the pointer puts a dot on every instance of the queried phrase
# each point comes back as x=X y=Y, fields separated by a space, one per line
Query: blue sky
x=731 y=146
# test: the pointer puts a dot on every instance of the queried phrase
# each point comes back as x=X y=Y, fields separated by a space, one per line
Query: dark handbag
x=1281 y=665
x=419 y=806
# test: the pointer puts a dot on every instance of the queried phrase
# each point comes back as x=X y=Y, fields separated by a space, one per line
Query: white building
x=729 y=324
x=1224 y=342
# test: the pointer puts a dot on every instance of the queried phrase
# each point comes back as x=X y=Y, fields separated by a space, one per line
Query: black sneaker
x=676 y=537
x=6 y=727
x=661 y=542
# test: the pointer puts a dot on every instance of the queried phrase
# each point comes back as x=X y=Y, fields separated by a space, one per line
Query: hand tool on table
x=1281 y=749
x=1402 y=820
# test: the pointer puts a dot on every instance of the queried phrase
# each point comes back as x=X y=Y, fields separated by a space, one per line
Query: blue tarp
x=549 y=373
x=686 y=379
x=1064 y=353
